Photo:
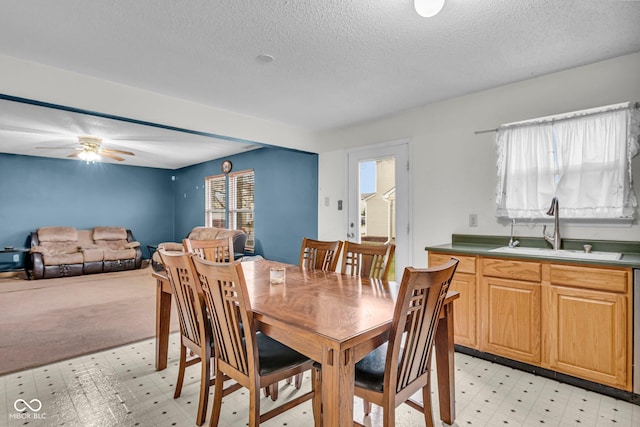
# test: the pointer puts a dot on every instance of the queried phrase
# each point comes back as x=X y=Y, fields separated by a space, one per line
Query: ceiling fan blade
x=109 y=150
x=111 y=156
x=74 y=154
x=57 y=148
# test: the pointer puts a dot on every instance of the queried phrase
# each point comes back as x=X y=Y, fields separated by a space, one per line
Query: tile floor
x=120 y=387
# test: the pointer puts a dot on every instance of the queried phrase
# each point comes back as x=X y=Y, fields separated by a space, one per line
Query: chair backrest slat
x=217 y=250
x=319 y=255
x=367 y=260
x=420 y=301
x=226 y=297
x=188 y=298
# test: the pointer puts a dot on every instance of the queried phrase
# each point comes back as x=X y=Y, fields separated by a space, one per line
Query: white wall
x=47 y=84
x=454 y=170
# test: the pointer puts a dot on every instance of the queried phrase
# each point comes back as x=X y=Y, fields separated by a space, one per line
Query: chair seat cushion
x=369 y=371
x=274 y=356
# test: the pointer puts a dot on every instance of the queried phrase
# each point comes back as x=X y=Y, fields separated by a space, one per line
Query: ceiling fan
x=91 y=149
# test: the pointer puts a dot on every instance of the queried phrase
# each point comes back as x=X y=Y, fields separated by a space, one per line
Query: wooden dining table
x=332 y=318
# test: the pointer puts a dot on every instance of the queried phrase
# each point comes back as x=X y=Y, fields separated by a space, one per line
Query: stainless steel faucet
x=554 y=239
x=513 y=243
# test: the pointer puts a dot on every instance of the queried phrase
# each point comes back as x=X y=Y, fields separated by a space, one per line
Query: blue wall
x=286 y=198
x=37 y=192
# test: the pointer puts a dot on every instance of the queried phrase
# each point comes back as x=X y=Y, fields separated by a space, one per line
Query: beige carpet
x=45 y=321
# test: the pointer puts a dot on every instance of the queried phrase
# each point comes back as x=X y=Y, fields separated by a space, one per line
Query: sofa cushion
x=63 y=258
x=57 y=234
x=93 y=254
x=85 y=239
x=109 y=233
x=118 y=254
x=114 y=245
x=55 y=248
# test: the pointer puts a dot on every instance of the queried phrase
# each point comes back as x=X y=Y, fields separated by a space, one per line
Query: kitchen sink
x=562 y=253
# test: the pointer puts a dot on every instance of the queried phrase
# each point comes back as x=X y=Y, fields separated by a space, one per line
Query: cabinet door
x=465 y=311
x=588 y=333
x=511 y=319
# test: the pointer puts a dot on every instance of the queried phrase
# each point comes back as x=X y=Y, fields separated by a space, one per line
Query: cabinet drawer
x=467 y=264
x=603 y=279
x=512 y=269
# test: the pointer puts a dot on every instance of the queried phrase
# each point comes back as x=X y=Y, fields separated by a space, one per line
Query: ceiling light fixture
x=428 y=8
x=89 y=156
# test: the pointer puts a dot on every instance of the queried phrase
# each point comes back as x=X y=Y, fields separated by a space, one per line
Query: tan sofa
x=238 y=237
x=65 y=251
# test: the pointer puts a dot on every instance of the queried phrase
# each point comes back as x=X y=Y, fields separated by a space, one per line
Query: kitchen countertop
x=482 y=245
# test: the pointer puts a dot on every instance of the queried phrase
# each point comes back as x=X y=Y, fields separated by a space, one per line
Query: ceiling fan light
x=89 y=156
x=428 y=8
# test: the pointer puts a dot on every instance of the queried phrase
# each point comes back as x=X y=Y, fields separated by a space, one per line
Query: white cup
x=277 y=275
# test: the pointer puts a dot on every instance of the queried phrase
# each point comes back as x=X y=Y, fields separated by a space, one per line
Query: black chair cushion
x=370 y=370
x=274 y=356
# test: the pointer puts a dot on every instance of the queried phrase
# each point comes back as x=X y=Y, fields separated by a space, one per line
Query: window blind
x=241 y=204
x=215 y=201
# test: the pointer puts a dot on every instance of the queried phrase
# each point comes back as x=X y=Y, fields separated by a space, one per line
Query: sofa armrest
x=239 y=243
x=35 y=262
x=171 y=246
x=131 y=245
x=130 y=239
x=38 y=250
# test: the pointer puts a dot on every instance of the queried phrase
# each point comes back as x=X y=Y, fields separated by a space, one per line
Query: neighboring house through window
x=229 y=203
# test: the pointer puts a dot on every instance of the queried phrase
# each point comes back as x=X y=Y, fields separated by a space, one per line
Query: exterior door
x=378 y=203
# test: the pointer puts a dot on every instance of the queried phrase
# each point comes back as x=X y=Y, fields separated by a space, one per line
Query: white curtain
x=583 y=158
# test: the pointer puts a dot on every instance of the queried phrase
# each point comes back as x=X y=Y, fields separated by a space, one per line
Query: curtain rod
x=635 y=105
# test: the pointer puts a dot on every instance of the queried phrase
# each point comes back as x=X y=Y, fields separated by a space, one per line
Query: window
x=583 y=158
x=229 y=203
x=215 y=201
x=241 y=189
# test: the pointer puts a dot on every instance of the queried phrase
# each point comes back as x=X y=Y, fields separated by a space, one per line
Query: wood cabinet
x=571 y=318
x=465 y=324
x=589 y=324
x=510 y=309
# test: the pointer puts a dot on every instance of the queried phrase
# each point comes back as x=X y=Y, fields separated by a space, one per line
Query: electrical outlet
x=16 y=258
x=473 y=220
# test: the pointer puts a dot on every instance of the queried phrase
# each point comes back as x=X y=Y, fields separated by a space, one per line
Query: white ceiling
x=337 y=62
x=35 y=130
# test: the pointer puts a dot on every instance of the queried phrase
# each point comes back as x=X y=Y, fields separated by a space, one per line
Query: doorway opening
x=379 y=200
x=378 y=203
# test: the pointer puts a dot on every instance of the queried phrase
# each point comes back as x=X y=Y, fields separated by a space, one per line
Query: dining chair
x=217 y=250
x=319 y=255
x=195 y=335
x=390 y=374
x=221 y=250
x=367 y=260
x=251 y=358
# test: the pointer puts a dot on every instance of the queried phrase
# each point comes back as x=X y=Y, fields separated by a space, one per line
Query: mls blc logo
x=21 y=405
x=34 y=405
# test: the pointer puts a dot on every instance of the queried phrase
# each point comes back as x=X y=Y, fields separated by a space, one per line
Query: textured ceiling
x=337 y=62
